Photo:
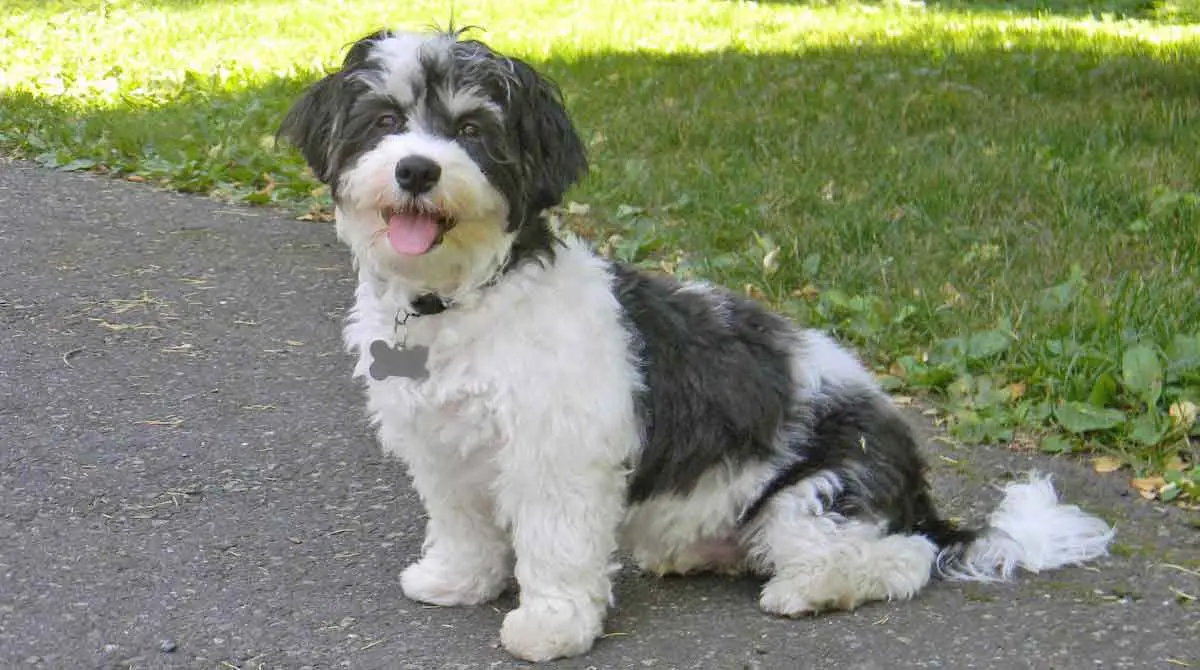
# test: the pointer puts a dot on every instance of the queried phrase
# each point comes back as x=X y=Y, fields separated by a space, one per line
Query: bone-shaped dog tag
x=400 y=361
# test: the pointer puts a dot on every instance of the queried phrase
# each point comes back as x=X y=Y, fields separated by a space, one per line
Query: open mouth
x=413 y=230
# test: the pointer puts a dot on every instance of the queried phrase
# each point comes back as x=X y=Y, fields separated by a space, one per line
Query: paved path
x=187 y=481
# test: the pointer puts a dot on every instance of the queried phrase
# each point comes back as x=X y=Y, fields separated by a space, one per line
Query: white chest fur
x=543 y=337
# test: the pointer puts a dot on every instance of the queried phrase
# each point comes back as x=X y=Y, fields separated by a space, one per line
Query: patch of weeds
x=1181 y=482
x=641 y=241
x=1083 y=366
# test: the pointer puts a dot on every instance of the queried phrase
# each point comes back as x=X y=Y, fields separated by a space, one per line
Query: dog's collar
x=427 y=304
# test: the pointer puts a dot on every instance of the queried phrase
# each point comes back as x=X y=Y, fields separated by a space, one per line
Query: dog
x=555 y=408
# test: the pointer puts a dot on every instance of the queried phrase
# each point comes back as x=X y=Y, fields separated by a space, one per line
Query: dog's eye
x=468 y=129
x=387 y=121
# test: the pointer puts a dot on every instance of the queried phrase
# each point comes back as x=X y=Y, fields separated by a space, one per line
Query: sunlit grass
x=72 y=48
x=922 y=175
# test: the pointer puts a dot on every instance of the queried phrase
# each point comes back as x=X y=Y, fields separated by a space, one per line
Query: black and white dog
x=553 y=406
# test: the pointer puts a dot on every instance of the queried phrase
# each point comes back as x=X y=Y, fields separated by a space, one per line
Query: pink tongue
x=412 y=234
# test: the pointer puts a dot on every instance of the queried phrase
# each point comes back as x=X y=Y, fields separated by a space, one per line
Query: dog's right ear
x=314 y=121
x=312 y=124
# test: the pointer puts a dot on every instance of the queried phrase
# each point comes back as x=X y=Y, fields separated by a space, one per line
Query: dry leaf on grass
x=807 y=292
x=1103 y=464
x=1183 y=414
x=770 y=262
x=1148 y=487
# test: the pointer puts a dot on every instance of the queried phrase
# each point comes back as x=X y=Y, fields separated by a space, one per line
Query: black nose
x=417 y=174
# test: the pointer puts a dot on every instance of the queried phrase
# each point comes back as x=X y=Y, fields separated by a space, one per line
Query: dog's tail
x=1030 y=529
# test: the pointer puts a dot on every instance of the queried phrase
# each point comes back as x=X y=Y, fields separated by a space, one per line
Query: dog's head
x=440 y=154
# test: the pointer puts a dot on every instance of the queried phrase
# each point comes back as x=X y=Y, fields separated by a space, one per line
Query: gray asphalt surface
x=187 y=481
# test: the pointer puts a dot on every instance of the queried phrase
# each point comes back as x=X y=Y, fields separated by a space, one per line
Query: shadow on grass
x=204 y=138
x=898 y=169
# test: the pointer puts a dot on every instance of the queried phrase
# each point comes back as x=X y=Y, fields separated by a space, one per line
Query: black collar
x=427 y=304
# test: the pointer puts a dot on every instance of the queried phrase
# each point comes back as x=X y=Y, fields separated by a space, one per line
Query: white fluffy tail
x=1030 y=529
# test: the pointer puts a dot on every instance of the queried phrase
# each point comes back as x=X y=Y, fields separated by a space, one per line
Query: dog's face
x=440 y=155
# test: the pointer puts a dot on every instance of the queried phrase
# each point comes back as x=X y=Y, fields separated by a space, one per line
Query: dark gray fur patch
x=860 y=437
x=719 y=392
x=718 y=387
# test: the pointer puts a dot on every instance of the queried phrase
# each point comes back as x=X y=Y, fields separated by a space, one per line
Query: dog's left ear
x=312 y=122
x=551 y=147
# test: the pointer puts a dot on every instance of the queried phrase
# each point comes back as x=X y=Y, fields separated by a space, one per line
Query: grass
x=998 y=203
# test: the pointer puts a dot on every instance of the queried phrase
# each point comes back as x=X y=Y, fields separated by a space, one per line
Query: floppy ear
x=312 y=122
x=551 y=148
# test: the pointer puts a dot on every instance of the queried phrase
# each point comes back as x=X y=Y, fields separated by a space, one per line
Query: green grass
x=998 y=203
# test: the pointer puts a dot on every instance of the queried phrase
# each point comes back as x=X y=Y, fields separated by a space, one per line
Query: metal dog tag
x=401 y=361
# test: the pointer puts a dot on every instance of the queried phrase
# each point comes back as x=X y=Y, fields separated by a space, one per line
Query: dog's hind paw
x=544 y=630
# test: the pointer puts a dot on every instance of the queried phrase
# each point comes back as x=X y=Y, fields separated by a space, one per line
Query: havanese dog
x=555 y=408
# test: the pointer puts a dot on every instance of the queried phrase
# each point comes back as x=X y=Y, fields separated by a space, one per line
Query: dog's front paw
x=438 y=583
x=788 y=597
x=548 y=629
